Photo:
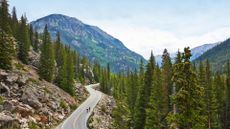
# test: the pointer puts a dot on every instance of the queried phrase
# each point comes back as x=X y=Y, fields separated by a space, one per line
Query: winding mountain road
x=78 y=119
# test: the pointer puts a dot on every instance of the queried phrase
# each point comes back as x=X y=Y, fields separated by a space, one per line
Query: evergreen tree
x=227 y=99
x=220 y=95
x=24 y=44
x=189 y=96
x=154 y=111
x=132 y=90
x=58 y=51
x=96 y=71
x=36 y=42
x=46 y=68
x=4 y=17
x=70 y=73
x=178 y=58
x=31 y=35
x=14 y=22
x=166 y=82
x=149 y=77
x=208 y=94
x=6 y=50
x=139 y=119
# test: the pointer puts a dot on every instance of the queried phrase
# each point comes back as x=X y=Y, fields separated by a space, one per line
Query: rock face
x=102 y=114
x=26 y=101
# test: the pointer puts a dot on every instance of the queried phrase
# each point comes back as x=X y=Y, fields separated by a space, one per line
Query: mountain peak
x=90 y=41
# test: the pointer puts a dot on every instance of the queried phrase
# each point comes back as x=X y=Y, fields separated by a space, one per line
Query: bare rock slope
x=102 y=114
x=27 y=102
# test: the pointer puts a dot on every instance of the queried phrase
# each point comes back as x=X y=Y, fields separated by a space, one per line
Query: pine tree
x=139 y=119
x=227 y=99
x=61 y=79
x=189 y=96
x=178 y=58
x=154 y=111
x=132 y=90
x=4 y=17
x=70 y=73
x=208 y=95
x=166 y=83
x=36 y=42
x=6 y=50
x=14 y=22
x=220 y=95
x=24 y=44
x=149 y=77
x=46 y=68
x=31 y=35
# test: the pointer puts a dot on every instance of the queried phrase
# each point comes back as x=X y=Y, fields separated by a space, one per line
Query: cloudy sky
x=143 y=25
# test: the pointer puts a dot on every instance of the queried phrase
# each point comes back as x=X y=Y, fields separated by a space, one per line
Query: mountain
x=217 y=56
x=196 y=52
x=90 y=41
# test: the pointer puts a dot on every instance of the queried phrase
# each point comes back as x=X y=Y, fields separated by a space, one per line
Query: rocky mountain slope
x=102 y=114
x=196 y=52
x=28 y=102
x=90 y=41
x=217 y=56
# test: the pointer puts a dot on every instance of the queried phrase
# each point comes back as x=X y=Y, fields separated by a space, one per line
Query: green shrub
x=1 y=100
x=63 y=104
x=33 y=125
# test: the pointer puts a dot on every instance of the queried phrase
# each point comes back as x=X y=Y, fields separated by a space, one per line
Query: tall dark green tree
x=166 y=82
x=6 y=50
x=132 y=90
x=154 y=110
x=227 y=99
x=59 y=51
x=24 y=44
x=46 y=67
x=189 y=96
x=70 y=73
x=14 y=22
x=4 y=17
x=149 y=77
x=36 y=42
x=139 y=119
x=31 y=35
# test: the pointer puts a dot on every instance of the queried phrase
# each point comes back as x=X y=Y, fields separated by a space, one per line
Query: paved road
x=78 y=119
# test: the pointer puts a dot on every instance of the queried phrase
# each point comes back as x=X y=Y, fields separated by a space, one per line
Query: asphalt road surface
x=78 y=119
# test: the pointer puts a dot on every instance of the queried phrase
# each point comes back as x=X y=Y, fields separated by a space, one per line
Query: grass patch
x=73 y=107
x=46 y=90
x=20 y=66
x=103 y=108
x=1 y=100
x=33 y=81
x=33 y=125
x=63 y=104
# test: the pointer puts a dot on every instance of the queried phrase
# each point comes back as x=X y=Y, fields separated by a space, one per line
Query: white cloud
x=143 y=39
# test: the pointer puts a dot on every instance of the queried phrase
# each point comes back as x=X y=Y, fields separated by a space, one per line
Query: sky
x=143 y=25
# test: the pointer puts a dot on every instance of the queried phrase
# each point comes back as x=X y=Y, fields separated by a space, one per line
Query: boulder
x=3 y=74
x=30 y=98
x=24 y=111
x=44 y=119
x=9 y=106
x=4 y=89
x=22 y=80
x=7 y=121
x=11 y=78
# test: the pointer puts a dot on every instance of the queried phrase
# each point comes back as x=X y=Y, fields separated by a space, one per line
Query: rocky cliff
x=102 y=114
x=28 y=102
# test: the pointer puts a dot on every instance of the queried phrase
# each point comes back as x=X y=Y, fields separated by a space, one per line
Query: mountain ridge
x=196 y=52
x=90 y=41
x=217 y=56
